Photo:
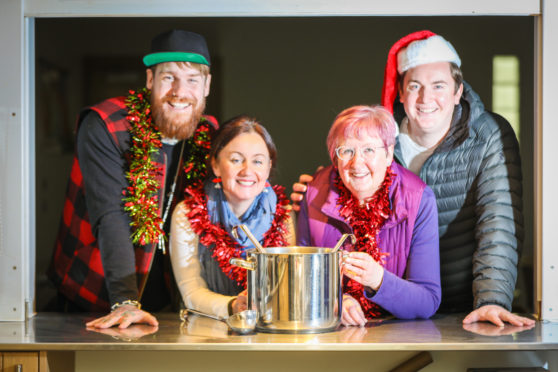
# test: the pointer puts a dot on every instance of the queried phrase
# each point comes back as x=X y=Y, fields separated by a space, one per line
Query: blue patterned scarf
x=258 y=217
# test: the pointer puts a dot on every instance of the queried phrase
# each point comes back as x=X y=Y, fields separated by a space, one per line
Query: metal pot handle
x=245 y=264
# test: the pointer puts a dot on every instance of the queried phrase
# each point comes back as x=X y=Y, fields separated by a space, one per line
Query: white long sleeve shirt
x=186 y=265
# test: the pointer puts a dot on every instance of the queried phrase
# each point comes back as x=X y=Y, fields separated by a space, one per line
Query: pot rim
x=296 y=250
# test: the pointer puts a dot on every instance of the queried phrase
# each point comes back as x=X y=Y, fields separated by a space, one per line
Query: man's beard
x=178 y=126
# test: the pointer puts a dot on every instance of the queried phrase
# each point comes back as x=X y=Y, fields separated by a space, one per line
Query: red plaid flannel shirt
x=76 y=268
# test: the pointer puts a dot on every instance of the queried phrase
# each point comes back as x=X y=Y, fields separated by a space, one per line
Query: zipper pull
x=161 y=243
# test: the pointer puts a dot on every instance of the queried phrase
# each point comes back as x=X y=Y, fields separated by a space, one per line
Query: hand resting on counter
x=496 y=315
x=123 y=317
x=240 y=303
x=352 y=314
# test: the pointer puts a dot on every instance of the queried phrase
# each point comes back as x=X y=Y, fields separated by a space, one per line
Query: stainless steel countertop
x=55 y=331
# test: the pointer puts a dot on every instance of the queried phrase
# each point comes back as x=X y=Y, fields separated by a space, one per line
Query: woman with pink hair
x=394 y=266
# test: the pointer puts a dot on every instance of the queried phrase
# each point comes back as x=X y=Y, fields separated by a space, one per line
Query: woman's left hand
x=240 y=303
x=352 y=314
x=361 y=267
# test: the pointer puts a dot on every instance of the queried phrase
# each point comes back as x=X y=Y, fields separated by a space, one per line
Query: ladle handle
x=204 y=314
x=252 y=238
x=342 y=240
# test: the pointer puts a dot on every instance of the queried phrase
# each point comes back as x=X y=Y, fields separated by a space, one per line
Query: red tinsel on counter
x=218 y=240
x=366 y=221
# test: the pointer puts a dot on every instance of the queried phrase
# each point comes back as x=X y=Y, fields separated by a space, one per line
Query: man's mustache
x=173 y=100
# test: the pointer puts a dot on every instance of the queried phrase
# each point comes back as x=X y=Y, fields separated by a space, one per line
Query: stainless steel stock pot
x=294 y=289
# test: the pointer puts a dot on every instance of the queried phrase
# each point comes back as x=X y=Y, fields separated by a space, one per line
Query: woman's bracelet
x=126 y=302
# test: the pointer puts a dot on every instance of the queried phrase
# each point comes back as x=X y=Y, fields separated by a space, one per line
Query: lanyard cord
x=161 y=243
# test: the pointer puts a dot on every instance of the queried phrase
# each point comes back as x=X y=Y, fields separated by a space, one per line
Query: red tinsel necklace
x=141 y=198
x=366 y=221
x=218 y=240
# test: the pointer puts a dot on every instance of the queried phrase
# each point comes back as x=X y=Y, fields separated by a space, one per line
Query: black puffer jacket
x=475 y=174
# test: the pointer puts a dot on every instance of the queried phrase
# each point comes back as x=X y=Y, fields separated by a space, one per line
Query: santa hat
x=413 y=50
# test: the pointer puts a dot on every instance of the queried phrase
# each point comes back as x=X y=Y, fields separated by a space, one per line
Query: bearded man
x=134 y=156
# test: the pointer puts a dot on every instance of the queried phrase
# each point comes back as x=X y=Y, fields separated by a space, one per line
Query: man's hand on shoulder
x=123 y=316
x=299 y=188
x=496 y=315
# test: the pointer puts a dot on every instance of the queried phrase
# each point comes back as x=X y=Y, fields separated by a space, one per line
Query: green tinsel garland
x=141 y=199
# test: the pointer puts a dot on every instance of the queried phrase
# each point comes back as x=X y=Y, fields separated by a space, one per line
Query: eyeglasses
x=346 y=153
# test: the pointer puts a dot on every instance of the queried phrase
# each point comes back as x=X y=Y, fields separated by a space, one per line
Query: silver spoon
x=242 y=323
x=342 y=240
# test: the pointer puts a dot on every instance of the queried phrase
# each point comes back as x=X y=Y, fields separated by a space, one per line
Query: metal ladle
x=252 y=238
x=342 y=240
x=242 y=323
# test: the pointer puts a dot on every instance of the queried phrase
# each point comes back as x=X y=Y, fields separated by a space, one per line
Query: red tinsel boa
x=218 y=240
x=366 y=221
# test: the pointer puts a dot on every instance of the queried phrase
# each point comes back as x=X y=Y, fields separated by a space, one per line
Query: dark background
x=294 y=74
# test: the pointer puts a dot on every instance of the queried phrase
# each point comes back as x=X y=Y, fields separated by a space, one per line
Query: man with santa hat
x=470 y=158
